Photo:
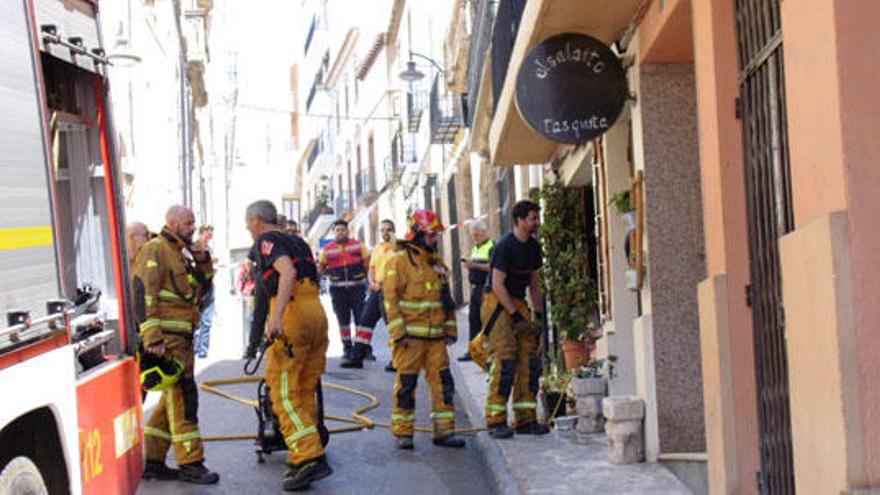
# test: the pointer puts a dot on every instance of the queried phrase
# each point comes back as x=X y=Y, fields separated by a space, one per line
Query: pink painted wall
x=833 y=86
x=724 y=214
x=859 y=75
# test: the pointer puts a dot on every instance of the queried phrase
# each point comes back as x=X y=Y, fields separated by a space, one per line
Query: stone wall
x=675 y=250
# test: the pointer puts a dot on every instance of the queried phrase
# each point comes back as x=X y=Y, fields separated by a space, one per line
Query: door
x=768 y=189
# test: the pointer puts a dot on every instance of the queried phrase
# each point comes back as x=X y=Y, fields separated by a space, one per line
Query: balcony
x=511 y=141
x=446 y=117
x=365 y=188
x=416 y=102
x=481 y=37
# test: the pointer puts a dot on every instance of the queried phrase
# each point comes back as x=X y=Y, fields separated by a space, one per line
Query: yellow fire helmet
x=479 y=349
x=159 y=373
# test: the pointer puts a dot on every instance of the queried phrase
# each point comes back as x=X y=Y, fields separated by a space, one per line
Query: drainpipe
x=185 y=131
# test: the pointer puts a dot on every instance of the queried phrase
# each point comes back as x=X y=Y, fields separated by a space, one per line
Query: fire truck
x=70 y=404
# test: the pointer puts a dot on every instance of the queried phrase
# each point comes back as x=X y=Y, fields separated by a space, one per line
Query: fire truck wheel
x=22 y=477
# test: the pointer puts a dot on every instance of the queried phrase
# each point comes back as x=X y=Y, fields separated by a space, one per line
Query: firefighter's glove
x=522 y=326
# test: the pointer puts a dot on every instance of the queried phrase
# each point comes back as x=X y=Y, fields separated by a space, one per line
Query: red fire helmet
x=424 y=221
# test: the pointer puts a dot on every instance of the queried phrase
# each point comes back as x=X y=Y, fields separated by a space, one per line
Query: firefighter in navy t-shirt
x=513 y=342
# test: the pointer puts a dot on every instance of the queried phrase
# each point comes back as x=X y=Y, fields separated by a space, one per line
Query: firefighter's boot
x=532 y=428
x=405 y=443
x=157 y=470
x=307 y=472
x=449 y=441
x=368 y=355
x=500 y=431
x=198 y=474
x=355 y=358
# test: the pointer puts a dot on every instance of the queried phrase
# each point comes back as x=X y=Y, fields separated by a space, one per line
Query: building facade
x=738 y=301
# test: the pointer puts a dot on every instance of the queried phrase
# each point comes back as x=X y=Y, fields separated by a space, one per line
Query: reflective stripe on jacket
x=413 y=295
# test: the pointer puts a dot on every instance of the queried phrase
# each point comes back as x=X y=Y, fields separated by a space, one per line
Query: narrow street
x=653 y=222
x=365 y=460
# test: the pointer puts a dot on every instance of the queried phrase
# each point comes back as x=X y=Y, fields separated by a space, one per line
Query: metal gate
x=768 y=188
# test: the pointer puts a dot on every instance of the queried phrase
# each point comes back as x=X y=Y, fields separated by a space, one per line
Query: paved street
x=363 y=461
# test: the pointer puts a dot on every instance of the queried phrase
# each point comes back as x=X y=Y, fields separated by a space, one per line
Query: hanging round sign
x=571 y=88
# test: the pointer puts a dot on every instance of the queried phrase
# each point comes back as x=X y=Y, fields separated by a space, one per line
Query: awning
x=511 y=141
x=576 y=169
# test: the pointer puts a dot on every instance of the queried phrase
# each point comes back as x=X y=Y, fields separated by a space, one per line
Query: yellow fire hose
x=357 y=418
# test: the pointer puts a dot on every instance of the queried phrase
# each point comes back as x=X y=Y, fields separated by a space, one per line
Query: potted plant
x=322 y=202
x=554 y=384
x=621 y=203
x=588 y=389
x=566 y=276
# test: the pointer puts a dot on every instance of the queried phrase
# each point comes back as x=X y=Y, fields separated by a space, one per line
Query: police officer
x=372 y=310
x=167 y=293
x=478 y=272
x=297 y=325
x=421 y=321
x=513 y=340
x=344 y=262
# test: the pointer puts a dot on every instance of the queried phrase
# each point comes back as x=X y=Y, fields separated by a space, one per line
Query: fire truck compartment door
x=28 y=271
x=73 y=19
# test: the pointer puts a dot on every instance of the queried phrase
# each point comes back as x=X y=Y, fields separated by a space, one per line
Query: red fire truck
x=70 y=408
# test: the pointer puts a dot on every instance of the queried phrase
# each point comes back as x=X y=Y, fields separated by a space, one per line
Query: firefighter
x=421 y=321
x=168 y=288
x=513 y=340
x=344 y=262
x=136 y=235
x=478 y=272
x=372 y=310
x=297 y=327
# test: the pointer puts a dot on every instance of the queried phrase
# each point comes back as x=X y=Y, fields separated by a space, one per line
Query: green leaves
x=565 y=275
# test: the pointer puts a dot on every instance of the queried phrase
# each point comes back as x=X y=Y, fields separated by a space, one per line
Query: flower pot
x=632 y=279
x=565 y=423
x=575 y=352
x=629 y=218
x=554 y=404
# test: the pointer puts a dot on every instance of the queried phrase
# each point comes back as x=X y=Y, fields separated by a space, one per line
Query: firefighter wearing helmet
x=421 y=321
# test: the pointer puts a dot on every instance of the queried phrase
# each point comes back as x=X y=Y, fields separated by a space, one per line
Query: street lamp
x=412 y=74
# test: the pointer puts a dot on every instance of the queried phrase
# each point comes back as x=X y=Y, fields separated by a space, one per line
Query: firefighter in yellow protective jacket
x=167 y=289
x=421 y=321
x=297 y=325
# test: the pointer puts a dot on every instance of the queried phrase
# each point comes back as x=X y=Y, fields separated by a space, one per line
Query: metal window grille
x=768 y=187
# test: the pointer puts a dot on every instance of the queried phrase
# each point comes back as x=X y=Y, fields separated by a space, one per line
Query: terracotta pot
x=575 y=352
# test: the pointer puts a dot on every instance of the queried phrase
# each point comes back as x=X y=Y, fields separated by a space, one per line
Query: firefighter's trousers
x=370 y=316
x=409 y=359
x=348 y=303
x=175 y=419
x=293 y=371
x=515 y=364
